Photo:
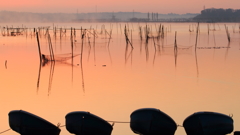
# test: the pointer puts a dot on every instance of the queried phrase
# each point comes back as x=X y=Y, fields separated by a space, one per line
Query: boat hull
x=85 y=123
x=208 y=123
x=26 y=123
x=151 y=121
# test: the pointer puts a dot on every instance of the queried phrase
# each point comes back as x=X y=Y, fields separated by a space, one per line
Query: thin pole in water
x=39 y=48
x=196 y=37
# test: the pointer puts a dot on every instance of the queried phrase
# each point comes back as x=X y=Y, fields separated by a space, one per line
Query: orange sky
x=160 y=6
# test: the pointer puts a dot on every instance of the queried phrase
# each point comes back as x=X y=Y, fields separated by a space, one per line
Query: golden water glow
x=112 y=83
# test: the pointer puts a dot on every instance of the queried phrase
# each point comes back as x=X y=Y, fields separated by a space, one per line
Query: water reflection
x=39 y=75
x=164 y=73
x=128 y=54
x=196 y=64
x=226 y=54
x=52 y=65
x=6 y=64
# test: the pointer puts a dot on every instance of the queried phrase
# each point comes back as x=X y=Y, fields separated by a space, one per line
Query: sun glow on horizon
x=72 y=6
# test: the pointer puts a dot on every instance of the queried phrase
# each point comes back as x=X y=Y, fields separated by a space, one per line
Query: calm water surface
x=114 y=81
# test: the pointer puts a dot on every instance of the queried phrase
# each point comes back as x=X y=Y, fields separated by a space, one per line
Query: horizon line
x=97 y=12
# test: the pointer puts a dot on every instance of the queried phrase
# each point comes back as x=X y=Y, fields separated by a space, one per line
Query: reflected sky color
x=112 y=83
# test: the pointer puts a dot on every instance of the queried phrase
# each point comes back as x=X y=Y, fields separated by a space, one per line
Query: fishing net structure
x=59 y=57
x=169 y=49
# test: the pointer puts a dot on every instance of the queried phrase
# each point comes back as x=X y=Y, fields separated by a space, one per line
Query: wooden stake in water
x=110 y=36
x=196 y=37
x=175 y=42
x=228 y=35
x=175 y=48
x=208 y=29
x=140 y=32
x=51 y=48
x=39 y=48
x=72 y=42
x=126 y=37
x=83 y=34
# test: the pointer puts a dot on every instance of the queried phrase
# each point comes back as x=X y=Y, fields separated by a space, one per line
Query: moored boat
x=208 y=123
x=151 y=121
x=236 y=133
x=26 y=123
x=85 y=123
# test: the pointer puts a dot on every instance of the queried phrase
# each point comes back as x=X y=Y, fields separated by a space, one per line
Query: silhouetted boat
x=85 y=123
x=236 y=133
x=26 y=123
x=208 y=123
x=151 y=121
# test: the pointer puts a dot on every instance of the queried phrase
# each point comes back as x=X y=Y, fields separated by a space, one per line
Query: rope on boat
x=113 y=122
x=5 y=131
x=59 y=125
x=118 y=121
x=180 y=125
x=130 y=122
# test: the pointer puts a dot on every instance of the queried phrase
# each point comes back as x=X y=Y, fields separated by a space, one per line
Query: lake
x=110 y=79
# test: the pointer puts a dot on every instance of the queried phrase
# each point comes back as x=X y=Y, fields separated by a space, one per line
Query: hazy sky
x=73 y=6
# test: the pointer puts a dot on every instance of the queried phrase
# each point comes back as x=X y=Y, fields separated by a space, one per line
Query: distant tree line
x=13 y=16
x=219 y=15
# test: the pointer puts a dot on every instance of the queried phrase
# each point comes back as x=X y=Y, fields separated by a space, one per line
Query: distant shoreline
x=211 y=15
x=12 y=16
